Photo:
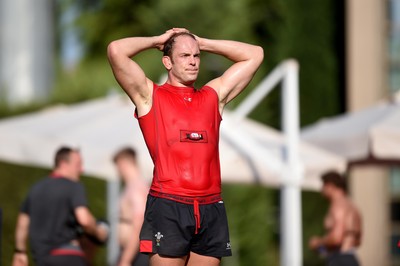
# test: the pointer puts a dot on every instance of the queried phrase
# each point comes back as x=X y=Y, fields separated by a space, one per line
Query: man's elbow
x=112 y=50
x=258 y=54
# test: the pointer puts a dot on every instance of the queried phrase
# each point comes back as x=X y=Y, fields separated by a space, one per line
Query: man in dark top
x=52 y=213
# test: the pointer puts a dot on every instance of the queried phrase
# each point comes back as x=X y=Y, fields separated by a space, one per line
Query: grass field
x=253 y=214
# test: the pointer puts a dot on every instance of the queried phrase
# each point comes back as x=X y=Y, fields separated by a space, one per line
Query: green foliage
x=90 y=79
x=253 y=225
x=15 y=183
x=247 y=21
x=313 y=212
x=235 y=19
x=311 y=34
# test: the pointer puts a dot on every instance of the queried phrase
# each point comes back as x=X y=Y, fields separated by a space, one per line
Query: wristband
x=16 y=250
x=104 y=224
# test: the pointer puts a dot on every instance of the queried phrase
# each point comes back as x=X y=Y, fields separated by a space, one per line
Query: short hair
x=127 y=152
x=62 y=155
x=169 y=44
x=335 y=179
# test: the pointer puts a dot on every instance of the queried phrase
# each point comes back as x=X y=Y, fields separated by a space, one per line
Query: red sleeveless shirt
x=182 y=134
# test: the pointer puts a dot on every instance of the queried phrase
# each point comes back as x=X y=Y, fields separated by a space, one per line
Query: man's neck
x=176 y=83
x=62 y=173
x=131 y=179
x=338 y=196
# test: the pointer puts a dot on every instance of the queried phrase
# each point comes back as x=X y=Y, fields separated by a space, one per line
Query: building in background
x=26 y=50
x=393 y=73
x=373 y=73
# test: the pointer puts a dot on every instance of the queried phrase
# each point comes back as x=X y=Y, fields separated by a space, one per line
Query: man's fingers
x=177 y=30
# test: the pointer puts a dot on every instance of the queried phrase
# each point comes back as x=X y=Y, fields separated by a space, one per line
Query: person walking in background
x=132 y=206
x=342 y=223
x=185 y=220
x=52 y=214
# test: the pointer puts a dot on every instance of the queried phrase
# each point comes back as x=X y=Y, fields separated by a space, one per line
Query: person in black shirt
x=52 y=213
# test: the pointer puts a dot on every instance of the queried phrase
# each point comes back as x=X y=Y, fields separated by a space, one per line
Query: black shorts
x=62 y=260
x=342 y=259
x=170 y=229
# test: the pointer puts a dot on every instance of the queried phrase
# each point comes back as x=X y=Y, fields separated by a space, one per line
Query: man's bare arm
x=89 y=225
x=132 y=248
x=246 y=57
x=21 y=232
x=128 y=73
x=21 y=237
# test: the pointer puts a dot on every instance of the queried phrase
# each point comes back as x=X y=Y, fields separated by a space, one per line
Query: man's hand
x=20 y=259
x=103 y=231
x=315 y=242
x=124 y=263
x=164 y=37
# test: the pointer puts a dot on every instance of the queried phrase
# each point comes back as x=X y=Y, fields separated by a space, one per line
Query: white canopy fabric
x=250 y=152
x=372 y=132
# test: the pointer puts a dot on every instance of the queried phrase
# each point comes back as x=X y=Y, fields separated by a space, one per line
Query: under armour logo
x=228 y=245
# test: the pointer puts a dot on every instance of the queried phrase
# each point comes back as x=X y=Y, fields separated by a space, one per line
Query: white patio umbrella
x=371 y=135
x=250 y=153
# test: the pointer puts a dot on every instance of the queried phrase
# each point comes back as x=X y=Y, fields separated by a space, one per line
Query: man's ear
x=167 y=62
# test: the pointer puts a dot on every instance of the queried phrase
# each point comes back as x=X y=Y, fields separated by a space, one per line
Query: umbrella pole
x=291 y=250
x=113 y=215
x=291 y=226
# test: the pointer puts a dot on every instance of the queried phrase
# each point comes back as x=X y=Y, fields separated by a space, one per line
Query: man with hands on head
x=185 y=220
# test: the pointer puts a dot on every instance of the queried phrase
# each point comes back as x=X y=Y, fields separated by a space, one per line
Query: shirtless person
x=132 y=206
x=185 y=221
x=342 y=224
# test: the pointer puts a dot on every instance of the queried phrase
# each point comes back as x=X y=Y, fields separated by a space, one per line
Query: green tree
x=237 y=19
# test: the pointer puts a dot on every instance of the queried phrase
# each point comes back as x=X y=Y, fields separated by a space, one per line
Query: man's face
x=326 y=190
x=75 y=165
x=185 y=61
x=126 y=168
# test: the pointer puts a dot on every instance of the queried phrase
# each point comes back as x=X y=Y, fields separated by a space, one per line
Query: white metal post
x=291 y=226
x=261 y=91
x=113 y=215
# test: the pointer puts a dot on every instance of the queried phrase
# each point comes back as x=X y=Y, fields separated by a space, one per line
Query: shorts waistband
x=195 y=201
x=68 y=250
x=187 y=200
